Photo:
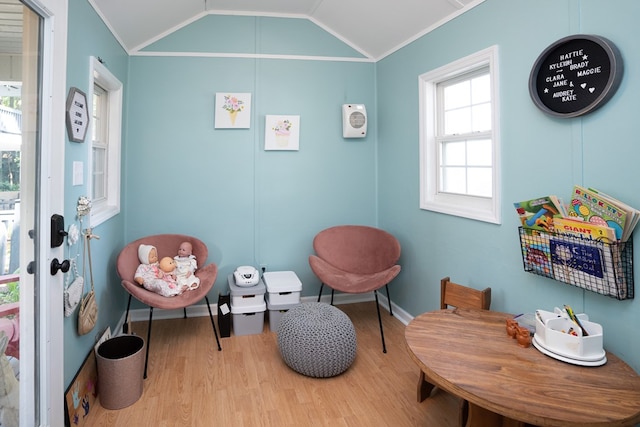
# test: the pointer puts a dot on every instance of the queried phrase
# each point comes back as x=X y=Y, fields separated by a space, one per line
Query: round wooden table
x=469 y=354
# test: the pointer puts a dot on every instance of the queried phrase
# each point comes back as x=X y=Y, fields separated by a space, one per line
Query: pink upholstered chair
x=356 y=259
x=167 y=245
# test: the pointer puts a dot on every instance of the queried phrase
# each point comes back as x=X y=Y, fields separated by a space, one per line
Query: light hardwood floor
x=190 y=383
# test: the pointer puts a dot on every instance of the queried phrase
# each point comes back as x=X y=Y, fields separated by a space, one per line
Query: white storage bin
x=283 y=287
x=248 y=296
x=551 y=333
x=276 y=311
x=248 y=320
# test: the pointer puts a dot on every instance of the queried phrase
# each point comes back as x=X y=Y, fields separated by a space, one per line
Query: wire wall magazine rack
x=597 y=266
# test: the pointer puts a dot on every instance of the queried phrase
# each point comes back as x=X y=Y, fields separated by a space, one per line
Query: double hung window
x=459 y=138
x=106 y=129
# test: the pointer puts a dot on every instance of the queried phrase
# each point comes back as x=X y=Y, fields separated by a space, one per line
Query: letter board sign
x=575 y=75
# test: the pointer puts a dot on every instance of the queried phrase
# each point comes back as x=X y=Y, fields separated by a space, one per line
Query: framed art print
x=82 y=392
x=282 y=133
x=233 y=111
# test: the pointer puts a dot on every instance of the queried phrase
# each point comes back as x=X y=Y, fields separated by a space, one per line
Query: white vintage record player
x=246 y=276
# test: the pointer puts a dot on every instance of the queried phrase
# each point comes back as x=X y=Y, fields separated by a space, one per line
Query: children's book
x=598 y=209
x=538 y=214
x=536 y=253
x=557 y=201
x=633 y=215
x=586 y=264
x=578 y=257
x=583 y=229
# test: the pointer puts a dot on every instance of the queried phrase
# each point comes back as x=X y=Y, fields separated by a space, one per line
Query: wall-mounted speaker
x=354 y=121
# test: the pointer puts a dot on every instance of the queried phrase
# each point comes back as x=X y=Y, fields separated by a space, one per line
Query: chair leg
x=320 y=294
x=215 y=331
x=125 y=327
x=146 y=358
x=424 y=387
x=463 y=412
x=389 y=299
x=185 y=312
x=384 y=347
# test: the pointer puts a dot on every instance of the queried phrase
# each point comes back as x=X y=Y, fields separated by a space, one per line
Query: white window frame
x=486 y=209
x=100 y=75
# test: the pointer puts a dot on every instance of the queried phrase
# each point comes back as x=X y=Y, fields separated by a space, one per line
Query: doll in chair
x=151 y=276
x=186 y=266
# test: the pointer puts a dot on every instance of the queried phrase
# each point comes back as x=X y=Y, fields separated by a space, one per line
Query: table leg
x=424 y=387
x=481 y=417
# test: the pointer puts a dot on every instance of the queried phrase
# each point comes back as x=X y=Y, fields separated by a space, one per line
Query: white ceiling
x=10 y=27
x=375 y=28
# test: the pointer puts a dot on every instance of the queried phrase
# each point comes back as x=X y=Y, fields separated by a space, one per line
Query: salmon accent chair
x=455 y=295
x=167 y=245
x=356 y=259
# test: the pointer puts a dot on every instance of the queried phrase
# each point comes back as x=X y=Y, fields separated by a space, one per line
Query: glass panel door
x=20 y=85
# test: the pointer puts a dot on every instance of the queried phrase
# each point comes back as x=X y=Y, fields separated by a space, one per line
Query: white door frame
x=49 y=360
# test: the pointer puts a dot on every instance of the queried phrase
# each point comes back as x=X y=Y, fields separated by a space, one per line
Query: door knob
x=57 y=265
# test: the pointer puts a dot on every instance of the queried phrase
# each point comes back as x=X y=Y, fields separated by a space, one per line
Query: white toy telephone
x=246 y=275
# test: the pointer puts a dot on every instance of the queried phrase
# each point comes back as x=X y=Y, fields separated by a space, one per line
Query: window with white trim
x=106 y=129
x=459 y=138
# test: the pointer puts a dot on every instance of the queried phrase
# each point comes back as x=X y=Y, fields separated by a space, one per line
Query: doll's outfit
x=153 y=279
x=184 y=266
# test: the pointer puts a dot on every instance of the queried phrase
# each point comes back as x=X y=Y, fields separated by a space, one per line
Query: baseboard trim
x=199 y=310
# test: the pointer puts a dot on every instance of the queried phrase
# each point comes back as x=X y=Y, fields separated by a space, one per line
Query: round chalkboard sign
x=575 y=75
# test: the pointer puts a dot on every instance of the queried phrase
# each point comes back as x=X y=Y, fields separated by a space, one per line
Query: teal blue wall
x=540 y=155
x=252 y=206
x=180 y=174
x=88 y=36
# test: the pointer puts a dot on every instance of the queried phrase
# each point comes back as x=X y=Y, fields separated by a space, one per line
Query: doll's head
x=167 y=264
x=185 y=249
x=147 y=254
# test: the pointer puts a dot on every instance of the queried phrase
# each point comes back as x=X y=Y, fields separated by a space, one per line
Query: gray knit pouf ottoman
x=317 y=340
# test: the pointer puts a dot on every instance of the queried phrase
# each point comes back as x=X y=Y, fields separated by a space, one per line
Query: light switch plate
x=78 y=174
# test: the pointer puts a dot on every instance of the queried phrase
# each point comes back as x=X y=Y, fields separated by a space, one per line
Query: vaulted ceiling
x=375 y=28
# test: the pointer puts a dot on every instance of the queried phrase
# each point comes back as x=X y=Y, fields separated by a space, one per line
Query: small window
x=100 y=140
x=106 y=128
x=459 y=144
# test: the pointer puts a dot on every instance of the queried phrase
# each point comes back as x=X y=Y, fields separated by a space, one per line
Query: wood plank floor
x=190 y=383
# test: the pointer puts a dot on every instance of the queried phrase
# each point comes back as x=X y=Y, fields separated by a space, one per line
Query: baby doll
x=168 y=268
x=150 y=276
x=186 y=266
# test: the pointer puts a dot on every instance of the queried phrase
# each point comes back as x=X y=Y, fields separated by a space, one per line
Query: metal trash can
x=120 y=371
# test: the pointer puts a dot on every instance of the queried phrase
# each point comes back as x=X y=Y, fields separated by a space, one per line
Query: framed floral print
x=233 y=111
x=282 y=133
